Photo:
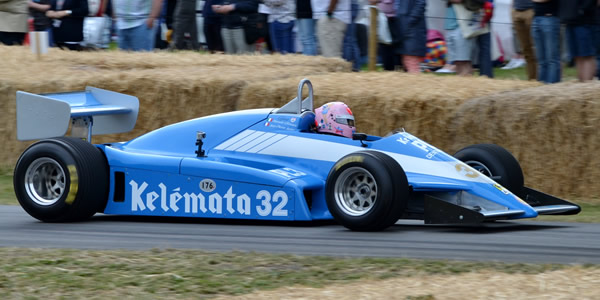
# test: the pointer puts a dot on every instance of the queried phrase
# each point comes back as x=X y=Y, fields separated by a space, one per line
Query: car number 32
x=279 y=197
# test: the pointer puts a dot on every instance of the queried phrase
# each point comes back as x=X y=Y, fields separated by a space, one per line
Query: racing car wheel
x=61 y=179
x=366 y=191
x=495 y=162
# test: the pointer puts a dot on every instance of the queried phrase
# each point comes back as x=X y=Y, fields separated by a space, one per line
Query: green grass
x=517 y=74
x=521 y=73
x=7 y=194
x=590 y=213
x=170 y=273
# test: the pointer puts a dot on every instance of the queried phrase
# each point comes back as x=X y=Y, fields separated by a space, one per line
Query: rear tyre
x=366 y=191
x=61 y=179
x=495 y=162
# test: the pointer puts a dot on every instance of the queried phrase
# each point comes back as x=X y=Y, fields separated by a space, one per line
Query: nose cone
x=498 y=194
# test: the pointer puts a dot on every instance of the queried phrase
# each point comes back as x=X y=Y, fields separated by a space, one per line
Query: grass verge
x=38 y=274
x=590 y=213
x=521 y=73
x=7 y=194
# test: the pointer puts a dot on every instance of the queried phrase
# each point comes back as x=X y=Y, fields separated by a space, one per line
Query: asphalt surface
x=514 y=241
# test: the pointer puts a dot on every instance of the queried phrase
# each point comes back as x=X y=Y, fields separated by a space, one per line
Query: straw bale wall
x=171 y=87
x=551 y=129
x=423 y=105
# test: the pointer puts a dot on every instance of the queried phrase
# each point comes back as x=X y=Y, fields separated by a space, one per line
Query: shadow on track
x=484 y=228
x=403 y=226
x=178 y=220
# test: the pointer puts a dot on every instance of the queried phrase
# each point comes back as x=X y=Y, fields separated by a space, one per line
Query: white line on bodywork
x=305 y=148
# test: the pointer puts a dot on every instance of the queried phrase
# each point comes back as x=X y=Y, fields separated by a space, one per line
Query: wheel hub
x=355 y=191
x=364 y=191
x=45 y=181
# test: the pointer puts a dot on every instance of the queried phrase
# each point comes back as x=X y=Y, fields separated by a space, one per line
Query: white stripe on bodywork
x=306 y=148
x=274 y=139
x=234 y=139
x=245 y=140
x=255 y=142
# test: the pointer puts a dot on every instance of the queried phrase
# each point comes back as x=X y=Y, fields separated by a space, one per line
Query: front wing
x=438 y=211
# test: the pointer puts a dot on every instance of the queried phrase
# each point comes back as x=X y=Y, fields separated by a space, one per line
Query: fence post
x=373 y=39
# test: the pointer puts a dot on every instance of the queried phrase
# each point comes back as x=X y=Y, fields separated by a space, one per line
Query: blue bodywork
x=268 y=164
x=265 y=165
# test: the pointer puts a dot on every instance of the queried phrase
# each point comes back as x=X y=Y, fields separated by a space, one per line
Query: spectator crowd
x=332 y=28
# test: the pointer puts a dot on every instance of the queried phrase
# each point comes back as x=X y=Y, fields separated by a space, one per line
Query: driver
x=335 y=118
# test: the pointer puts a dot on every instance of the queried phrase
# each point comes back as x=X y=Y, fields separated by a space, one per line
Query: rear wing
x=49 y=115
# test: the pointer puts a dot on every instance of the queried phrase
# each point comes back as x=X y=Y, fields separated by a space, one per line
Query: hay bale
x=552 y=130
x=422 y=104
x=23 y=64
x=11 y=148
x=171 y=86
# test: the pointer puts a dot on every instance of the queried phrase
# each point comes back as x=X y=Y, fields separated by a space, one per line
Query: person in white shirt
x=136 y=22
x=333 y=17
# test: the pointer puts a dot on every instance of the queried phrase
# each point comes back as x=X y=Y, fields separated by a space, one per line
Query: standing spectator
x=546 y=34
x=232 y=30
x=67 y=22
x=484 y=42
x=136 y=23
x=306 y=27
x=351 y=51
x=184 y=25
x=388 y=52
x=597 y=38
x=332 y=17
x=413 y=33
x=459 y=48
x=522 y=16
x=212 y=27
x=38 y=9
x=265 y=35
x=164 y=31
x=13 y=21
x=580 y=18
x=281 y=23
x=517 y=60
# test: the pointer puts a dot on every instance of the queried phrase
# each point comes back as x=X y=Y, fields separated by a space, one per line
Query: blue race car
x=261 y=164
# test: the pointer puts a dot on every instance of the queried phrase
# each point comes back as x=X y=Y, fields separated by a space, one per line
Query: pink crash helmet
x=335 y=118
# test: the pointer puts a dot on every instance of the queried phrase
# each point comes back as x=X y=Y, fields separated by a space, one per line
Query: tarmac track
x=514 y=241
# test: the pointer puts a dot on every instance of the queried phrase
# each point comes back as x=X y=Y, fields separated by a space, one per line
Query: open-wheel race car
x=262 y=164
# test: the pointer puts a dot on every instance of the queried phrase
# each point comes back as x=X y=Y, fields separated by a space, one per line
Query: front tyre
x=495 y=162
x=61 y=179
x=366 y=191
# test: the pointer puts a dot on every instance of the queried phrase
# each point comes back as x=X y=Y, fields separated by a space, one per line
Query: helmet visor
x=345 y=120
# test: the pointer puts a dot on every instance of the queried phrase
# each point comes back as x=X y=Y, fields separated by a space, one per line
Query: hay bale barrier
x=385 y=101
x=171 y=86
x=551 y=129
